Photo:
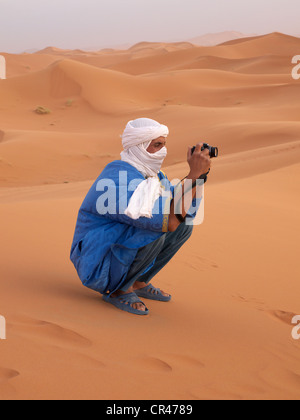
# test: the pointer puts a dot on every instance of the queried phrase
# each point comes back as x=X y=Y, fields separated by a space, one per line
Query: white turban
x=136 y=139
x=141 y=131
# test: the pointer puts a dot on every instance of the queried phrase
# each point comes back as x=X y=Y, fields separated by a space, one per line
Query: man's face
x=157 y=144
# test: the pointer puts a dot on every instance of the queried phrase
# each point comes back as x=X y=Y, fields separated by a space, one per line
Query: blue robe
x=106 y=244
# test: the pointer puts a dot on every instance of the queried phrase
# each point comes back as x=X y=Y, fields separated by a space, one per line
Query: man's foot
x=125 y=302
x=140 y=285
x=137 y=305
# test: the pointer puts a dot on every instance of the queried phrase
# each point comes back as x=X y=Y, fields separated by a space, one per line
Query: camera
x=213 y=151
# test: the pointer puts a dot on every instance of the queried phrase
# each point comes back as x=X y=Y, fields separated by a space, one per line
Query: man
x=128 y=228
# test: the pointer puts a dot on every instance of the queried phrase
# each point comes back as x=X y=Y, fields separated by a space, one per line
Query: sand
x=235 y=285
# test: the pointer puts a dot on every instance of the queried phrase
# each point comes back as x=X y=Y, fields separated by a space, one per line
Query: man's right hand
x=199 y=161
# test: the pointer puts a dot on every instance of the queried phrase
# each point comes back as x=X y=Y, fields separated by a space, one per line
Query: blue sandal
x=151 y=292
x=124 y=303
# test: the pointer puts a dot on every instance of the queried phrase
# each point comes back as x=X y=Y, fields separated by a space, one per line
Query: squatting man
x=118 y=251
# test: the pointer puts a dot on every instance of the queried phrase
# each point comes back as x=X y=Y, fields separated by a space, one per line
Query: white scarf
x=136 y=138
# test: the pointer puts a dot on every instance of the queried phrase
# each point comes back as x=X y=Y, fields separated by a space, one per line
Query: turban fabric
x=141 y=131
x=136 y=139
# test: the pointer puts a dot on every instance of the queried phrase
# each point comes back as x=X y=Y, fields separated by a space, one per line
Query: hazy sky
x=27 y=24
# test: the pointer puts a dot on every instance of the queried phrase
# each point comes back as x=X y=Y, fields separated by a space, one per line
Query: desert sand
x=235 y=285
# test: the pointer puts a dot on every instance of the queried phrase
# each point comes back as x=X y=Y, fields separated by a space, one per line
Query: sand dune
x=227 y=333
x=85 y=99
x=27 y=63
x=254 y=65
x=212 y=39
x=147 y=57
x=268 y=47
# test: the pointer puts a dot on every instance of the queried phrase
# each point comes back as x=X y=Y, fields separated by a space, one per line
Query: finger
x=199 y=147
x=189 y=153
x=205 y=152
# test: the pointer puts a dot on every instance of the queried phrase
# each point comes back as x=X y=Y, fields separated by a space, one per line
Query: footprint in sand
x=198 y=263
x=7 y=389
x=257 y=303
x=7 y=374
x=184 y=361
x=47 y=332
x=154 y=364
x=282 y=316
x=248 y=300
x=170 y=362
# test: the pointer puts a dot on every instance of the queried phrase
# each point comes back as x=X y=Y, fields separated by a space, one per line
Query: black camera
x=213 y=151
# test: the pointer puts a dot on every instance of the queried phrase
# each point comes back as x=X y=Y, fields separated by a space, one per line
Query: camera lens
x=214 y=152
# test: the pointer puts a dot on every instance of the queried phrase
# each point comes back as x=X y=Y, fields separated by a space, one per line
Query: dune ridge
x=215 y=103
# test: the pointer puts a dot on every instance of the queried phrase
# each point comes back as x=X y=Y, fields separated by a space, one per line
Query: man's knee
x=188 y=229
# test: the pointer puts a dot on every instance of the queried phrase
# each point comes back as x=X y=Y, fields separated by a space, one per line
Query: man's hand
x=199 y=162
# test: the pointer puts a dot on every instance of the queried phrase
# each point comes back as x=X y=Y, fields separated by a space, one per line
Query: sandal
x=151 y=292
x=124 y=303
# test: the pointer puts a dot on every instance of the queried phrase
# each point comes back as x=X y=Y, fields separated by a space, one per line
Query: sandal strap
x=151 y=288
x=129 y=298
x=151 y=292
